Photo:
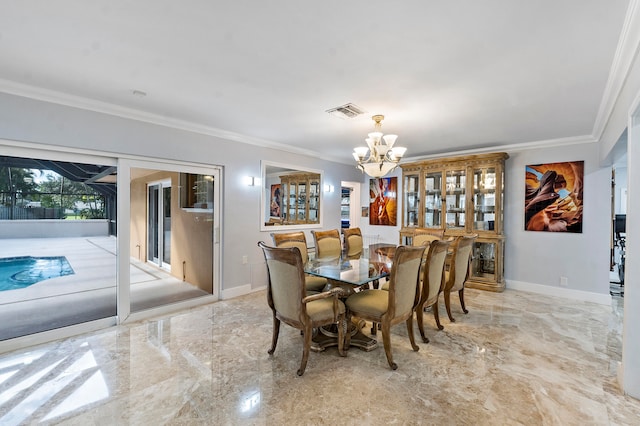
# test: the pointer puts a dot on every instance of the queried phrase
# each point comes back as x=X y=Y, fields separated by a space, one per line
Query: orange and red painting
x=382 y=201
x=553 y=197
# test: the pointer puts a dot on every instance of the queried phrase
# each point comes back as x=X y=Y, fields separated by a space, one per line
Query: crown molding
x=526 y=146
x=626 y=53
x=60 y=98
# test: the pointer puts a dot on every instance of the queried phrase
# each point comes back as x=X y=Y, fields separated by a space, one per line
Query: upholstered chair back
x=286 y=281
x=424 y=236
x=460 y=263
x=433 y=278
x=292 y=239
x=328 y=243
x=403 y=283
x=352 y=241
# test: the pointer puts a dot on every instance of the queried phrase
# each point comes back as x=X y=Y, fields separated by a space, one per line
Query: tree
x=58 y=191
x=15 y=181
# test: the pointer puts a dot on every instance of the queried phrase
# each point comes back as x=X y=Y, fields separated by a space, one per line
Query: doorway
x=350 y=205
x=618 y=228
x=174 y=228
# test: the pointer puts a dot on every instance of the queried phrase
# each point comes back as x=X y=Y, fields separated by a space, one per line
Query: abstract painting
x=382 y=201
x=553 y=197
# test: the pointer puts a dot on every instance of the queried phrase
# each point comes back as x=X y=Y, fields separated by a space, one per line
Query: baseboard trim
x=239 y=291
x=567 y=293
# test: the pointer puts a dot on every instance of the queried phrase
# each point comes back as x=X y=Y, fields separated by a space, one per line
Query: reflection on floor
x=516 y=358
x=89 y=294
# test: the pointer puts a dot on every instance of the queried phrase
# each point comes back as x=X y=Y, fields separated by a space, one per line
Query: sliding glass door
x=159 y=224
x=173 y=221
x=57 y=242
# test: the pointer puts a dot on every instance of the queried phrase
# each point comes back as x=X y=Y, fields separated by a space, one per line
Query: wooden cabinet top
x=455 y=162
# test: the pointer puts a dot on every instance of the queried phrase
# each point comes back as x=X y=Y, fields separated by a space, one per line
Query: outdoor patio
x=88 y=294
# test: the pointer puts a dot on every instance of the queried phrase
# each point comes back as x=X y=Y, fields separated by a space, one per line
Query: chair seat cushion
x=321 y=310
x=373 y=303
x=313 y=283
x=385 y=286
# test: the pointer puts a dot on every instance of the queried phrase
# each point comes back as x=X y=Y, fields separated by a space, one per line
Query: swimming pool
x=23 y=271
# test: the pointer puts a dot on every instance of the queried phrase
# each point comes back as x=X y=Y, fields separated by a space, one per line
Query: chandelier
x=383 y=157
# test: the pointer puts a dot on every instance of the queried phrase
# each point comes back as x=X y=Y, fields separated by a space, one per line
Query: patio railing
x=26 y=213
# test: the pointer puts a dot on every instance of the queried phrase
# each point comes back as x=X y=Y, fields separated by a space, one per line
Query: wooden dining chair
x=327 y=243
x=395 y=305
x=458 y=271
x=298 y=239
x=352 y=242
x=424 y=236
x=287 y=297
x=432 y=284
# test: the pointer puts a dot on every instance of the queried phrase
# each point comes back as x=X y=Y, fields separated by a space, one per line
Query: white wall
x=541 y=258
x=53 y=228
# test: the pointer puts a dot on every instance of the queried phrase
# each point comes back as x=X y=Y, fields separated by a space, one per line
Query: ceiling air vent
x=346 y=111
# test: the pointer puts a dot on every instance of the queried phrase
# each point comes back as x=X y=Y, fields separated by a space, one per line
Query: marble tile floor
x=517 y=358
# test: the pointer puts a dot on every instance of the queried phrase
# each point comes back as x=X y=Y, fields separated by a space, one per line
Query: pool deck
x=88 y=294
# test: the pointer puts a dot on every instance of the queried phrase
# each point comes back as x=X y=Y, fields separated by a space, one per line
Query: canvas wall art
x=383 y=203
x=275 y=204
x=553 y=197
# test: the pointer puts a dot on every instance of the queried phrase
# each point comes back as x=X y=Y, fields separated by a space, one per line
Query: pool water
x=21 y=272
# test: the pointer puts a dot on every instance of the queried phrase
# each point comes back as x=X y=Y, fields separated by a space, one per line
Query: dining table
x=351 y=274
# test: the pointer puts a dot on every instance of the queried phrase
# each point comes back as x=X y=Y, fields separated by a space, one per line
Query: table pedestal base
x=326 y=337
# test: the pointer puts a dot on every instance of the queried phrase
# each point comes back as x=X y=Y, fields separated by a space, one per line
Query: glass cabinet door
x=433 y=200
x=293 y=202
x=411 y=200
x=484 y=199
x=302 y=202
x=483 y=264
x=455 y=199
x=314 y=204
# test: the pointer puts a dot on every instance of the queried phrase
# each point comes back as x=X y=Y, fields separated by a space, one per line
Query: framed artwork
x=383 y=203
x=275 y=203
x=365 y=211
x=553 y=197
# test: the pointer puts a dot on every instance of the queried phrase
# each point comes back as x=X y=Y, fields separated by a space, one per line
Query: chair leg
x=386 y=340
x=420 y=320
x=410 y=333
x=305 y=350
x=436 y=315
x=447 y=304
x=342 y=331
x=347 y=336
x=461 y=294
x=276 y=333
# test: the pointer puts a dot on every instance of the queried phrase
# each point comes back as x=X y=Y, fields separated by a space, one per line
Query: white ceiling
x=448 y=75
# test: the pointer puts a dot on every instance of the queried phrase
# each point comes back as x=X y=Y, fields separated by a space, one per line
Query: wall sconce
x=250 y=180
x=328 y=188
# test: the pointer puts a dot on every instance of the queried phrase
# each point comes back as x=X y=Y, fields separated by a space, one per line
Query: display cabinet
x=460 y=195
x=301 y=200
x=196 y=191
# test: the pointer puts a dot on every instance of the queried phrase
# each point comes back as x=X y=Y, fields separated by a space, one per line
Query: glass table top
x=373 y=264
